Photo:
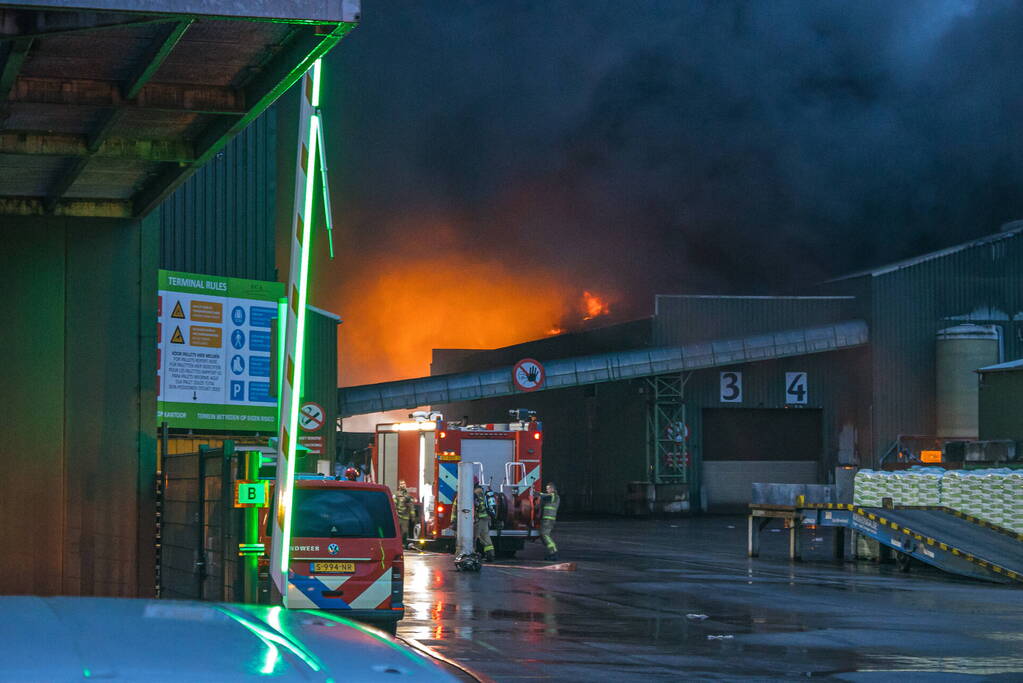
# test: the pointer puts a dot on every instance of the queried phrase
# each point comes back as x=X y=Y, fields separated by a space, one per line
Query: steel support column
x=667 y=461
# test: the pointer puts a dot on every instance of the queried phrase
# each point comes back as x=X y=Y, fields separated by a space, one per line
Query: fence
x=199 y=527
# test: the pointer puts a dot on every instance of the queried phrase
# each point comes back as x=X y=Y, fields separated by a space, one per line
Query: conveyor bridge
x=608 y=367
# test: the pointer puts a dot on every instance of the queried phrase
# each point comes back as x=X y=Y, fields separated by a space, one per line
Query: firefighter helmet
x=351 y=474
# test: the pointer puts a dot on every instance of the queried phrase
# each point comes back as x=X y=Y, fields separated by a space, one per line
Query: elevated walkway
x=610 y=367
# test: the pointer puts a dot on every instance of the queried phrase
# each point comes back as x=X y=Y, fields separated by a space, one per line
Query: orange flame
x=399 y=306
x=594 y=305
x=555 y=331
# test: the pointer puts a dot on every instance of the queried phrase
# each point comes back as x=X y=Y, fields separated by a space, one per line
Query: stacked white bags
x=866 y=488
x=1014 y=501
x=994 y=495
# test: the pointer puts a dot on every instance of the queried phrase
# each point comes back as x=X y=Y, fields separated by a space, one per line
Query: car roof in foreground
x=70 y=638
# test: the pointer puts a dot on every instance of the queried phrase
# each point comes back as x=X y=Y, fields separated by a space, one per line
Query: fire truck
x=506 y=458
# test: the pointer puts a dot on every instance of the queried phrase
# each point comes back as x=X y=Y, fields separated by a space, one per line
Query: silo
x=961 y=350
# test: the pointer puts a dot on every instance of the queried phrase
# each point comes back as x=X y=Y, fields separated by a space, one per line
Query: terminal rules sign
x=213 y=362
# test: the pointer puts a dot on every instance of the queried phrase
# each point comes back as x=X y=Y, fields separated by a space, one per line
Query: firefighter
x=405 y=508
x=550 y=501
x=482 y=517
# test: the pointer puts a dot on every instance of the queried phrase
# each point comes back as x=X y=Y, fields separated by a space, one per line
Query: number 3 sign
x=731 y=387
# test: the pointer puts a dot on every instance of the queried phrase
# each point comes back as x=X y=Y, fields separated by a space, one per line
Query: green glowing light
x=287 y=490
x=273 y=655
x=325 y=189
x=316 y=87
x=272 y=638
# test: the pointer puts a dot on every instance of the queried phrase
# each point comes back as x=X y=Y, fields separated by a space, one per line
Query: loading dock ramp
x=938 y=536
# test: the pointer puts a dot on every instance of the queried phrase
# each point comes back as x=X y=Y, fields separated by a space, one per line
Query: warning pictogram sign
x=178 y=312
x=310 y=417
x=528 y=375
x=177 y=337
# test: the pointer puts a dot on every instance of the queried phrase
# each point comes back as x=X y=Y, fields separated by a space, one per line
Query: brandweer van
x=346 y=553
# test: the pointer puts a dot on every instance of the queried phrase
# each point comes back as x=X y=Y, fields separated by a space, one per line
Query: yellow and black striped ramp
x=942 y=537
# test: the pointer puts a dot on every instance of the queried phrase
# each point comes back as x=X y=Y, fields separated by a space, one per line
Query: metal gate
x=199 y=527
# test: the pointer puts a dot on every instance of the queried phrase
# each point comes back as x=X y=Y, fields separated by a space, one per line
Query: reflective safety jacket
x=551 y=502
x=481 y=507
x=403 y=504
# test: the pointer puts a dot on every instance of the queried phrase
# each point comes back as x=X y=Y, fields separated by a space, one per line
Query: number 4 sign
x=795 y=388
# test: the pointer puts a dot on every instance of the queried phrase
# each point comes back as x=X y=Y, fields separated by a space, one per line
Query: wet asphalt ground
x=679 y=600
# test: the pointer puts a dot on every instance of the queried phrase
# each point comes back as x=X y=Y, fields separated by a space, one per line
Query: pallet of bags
x=953 y=490
x=866 y=488
x=1014 y=501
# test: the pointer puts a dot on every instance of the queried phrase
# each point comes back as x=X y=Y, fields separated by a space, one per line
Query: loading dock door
x=742 y=446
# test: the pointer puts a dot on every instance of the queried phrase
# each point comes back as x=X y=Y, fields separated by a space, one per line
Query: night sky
x=667 y=147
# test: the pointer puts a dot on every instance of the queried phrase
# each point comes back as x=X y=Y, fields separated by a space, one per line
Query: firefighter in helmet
x=351 y=474
x=482 y=517
x=549 y=501
x=405 y=507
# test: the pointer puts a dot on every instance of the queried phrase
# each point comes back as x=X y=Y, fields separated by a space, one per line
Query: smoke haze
x=636 y=148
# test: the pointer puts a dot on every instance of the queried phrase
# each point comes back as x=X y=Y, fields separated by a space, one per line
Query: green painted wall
x=222 y=220
x=79 y=451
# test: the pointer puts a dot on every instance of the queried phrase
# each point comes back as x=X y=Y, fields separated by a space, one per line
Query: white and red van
x=346 y=553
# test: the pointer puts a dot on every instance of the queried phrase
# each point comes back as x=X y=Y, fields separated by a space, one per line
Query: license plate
x=333 y=567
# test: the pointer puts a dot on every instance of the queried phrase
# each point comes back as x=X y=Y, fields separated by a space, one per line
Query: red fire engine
x=425 y=453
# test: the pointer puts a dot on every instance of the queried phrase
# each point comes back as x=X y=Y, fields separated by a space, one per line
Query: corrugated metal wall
x=594 y=439
x=221 y=221
x=1001 y=411
x=837 y=382
x=686 y=319
x=320 y=381
x=77 y=494
x=981 y=284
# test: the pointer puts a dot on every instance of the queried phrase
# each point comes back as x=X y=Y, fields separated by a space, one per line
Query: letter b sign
x=250 y=494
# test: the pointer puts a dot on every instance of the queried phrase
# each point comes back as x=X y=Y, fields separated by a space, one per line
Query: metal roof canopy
x=107 y=106
x=608 y=367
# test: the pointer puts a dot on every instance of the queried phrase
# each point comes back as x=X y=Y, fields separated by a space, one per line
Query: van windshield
x=341 y=513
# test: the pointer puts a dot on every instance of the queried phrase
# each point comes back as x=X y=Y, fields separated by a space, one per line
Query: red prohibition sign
x=310 y=417
x=528 y=375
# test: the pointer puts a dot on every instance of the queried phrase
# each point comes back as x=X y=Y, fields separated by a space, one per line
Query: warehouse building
x=108 y=108
x=784 y=416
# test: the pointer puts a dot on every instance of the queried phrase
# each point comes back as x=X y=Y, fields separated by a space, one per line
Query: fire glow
x=407 y=302
x=595 y=306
